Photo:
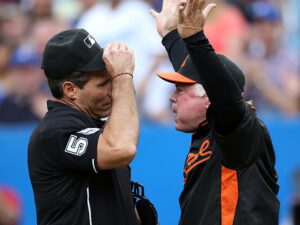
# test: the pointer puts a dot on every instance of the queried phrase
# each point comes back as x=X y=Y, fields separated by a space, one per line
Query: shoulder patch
x=88 y=131
x=76 y=146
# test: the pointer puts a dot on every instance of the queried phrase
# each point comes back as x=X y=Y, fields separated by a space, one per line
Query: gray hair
x=199 y=90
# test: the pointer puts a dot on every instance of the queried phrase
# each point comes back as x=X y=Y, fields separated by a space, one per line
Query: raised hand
x=118 y=59
x=192 y=15
x=166 y=20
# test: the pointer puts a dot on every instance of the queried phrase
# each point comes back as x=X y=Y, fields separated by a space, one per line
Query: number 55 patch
x=76 y=146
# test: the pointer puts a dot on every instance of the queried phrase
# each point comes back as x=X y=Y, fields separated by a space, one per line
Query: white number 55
x=76 y=147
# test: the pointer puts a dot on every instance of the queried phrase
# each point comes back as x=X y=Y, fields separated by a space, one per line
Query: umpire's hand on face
x=118 y=142
x=118 y=59
x=192 y=15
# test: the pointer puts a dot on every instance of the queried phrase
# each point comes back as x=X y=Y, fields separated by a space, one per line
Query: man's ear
x=69 y=89
x=207 y=103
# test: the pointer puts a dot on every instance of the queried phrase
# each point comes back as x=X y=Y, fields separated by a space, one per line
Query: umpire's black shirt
x=68 y=187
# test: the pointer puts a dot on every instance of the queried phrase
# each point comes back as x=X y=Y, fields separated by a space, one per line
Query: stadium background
x=158 y=165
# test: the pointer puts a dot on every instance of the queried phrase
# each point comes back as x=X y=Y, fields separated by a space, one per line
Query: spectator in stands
x=13 y=25
x=291 y=22
x=43 y=30
x=3 y=2
x=271 y=69
x=227 y=30
x=5 y=52
x=41 y=9
x=13 y=28
x=242 y=5
x=290 y=17
x=25 y=100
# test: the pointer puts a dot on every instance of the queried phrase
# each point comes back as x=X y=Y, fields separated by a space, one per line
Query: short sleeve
x=76 y=150
x=244 y=145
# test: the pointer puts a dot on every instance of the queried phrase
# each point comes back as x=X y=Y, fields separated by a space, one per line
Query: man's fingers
x=190 y=6
x=154 y=13
x=208 y=9
x=115 y=46
x=123 y=47
x=180 y=15
x=107 y=47
x=106 y=50
x=181 y=5
x=201 y=3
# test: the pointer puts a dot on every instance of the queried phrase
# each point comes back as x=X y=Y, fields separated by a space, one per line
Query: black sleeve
x=78 y=149
x=244 y=145
x=227 y=107
x=74 y=144
x=176 y=48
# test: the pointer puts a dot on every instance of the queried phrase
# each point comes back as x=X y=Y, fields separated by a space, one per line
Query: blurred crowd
x=261 y=36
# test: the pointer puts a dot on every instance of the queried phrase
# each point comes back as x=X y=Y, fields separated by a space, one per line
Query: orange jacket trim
x=229 y=195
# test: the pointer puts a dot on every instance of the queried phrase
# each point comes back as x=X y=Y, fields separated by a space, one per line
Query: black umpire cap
x=188 y=73
x=69 y=51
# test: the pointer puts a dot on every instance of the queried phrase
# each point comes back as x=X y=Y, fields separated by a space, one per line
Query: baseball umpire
x=229 y=174
x=78 y=165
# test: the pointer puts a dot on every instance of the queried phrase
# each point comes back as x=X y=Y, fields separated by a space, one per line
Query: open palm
x=192 y=15
x=166 y=20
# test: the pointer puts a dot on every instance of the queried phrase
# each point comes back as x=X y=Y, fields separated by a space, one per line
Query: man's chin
x=184 y=129
x=104 y=114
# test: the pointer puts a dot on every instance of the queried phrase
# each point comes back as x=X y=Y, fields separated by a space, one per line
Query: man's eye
x=103 y=84
x=107 y=82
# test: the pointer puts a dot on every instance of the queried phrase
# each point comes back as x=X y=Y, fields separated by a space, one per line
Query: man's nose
x=173 y=97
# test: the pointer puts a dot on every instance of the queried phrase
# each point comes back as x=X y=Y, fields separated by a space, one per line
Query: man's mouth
x=108 y=105
x=174 y=110
x=174 y=113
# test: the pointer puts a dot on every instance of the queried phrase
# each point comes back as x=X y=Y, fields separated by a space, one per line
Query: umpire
x=229 y=174
x=78 y=165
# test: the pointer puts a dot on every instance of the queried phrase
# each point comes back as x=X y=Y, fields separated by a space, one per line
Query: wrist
x=170 y=38
x=167 y=31
x=122 y=74
x=188 y=33
x=199 y=36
